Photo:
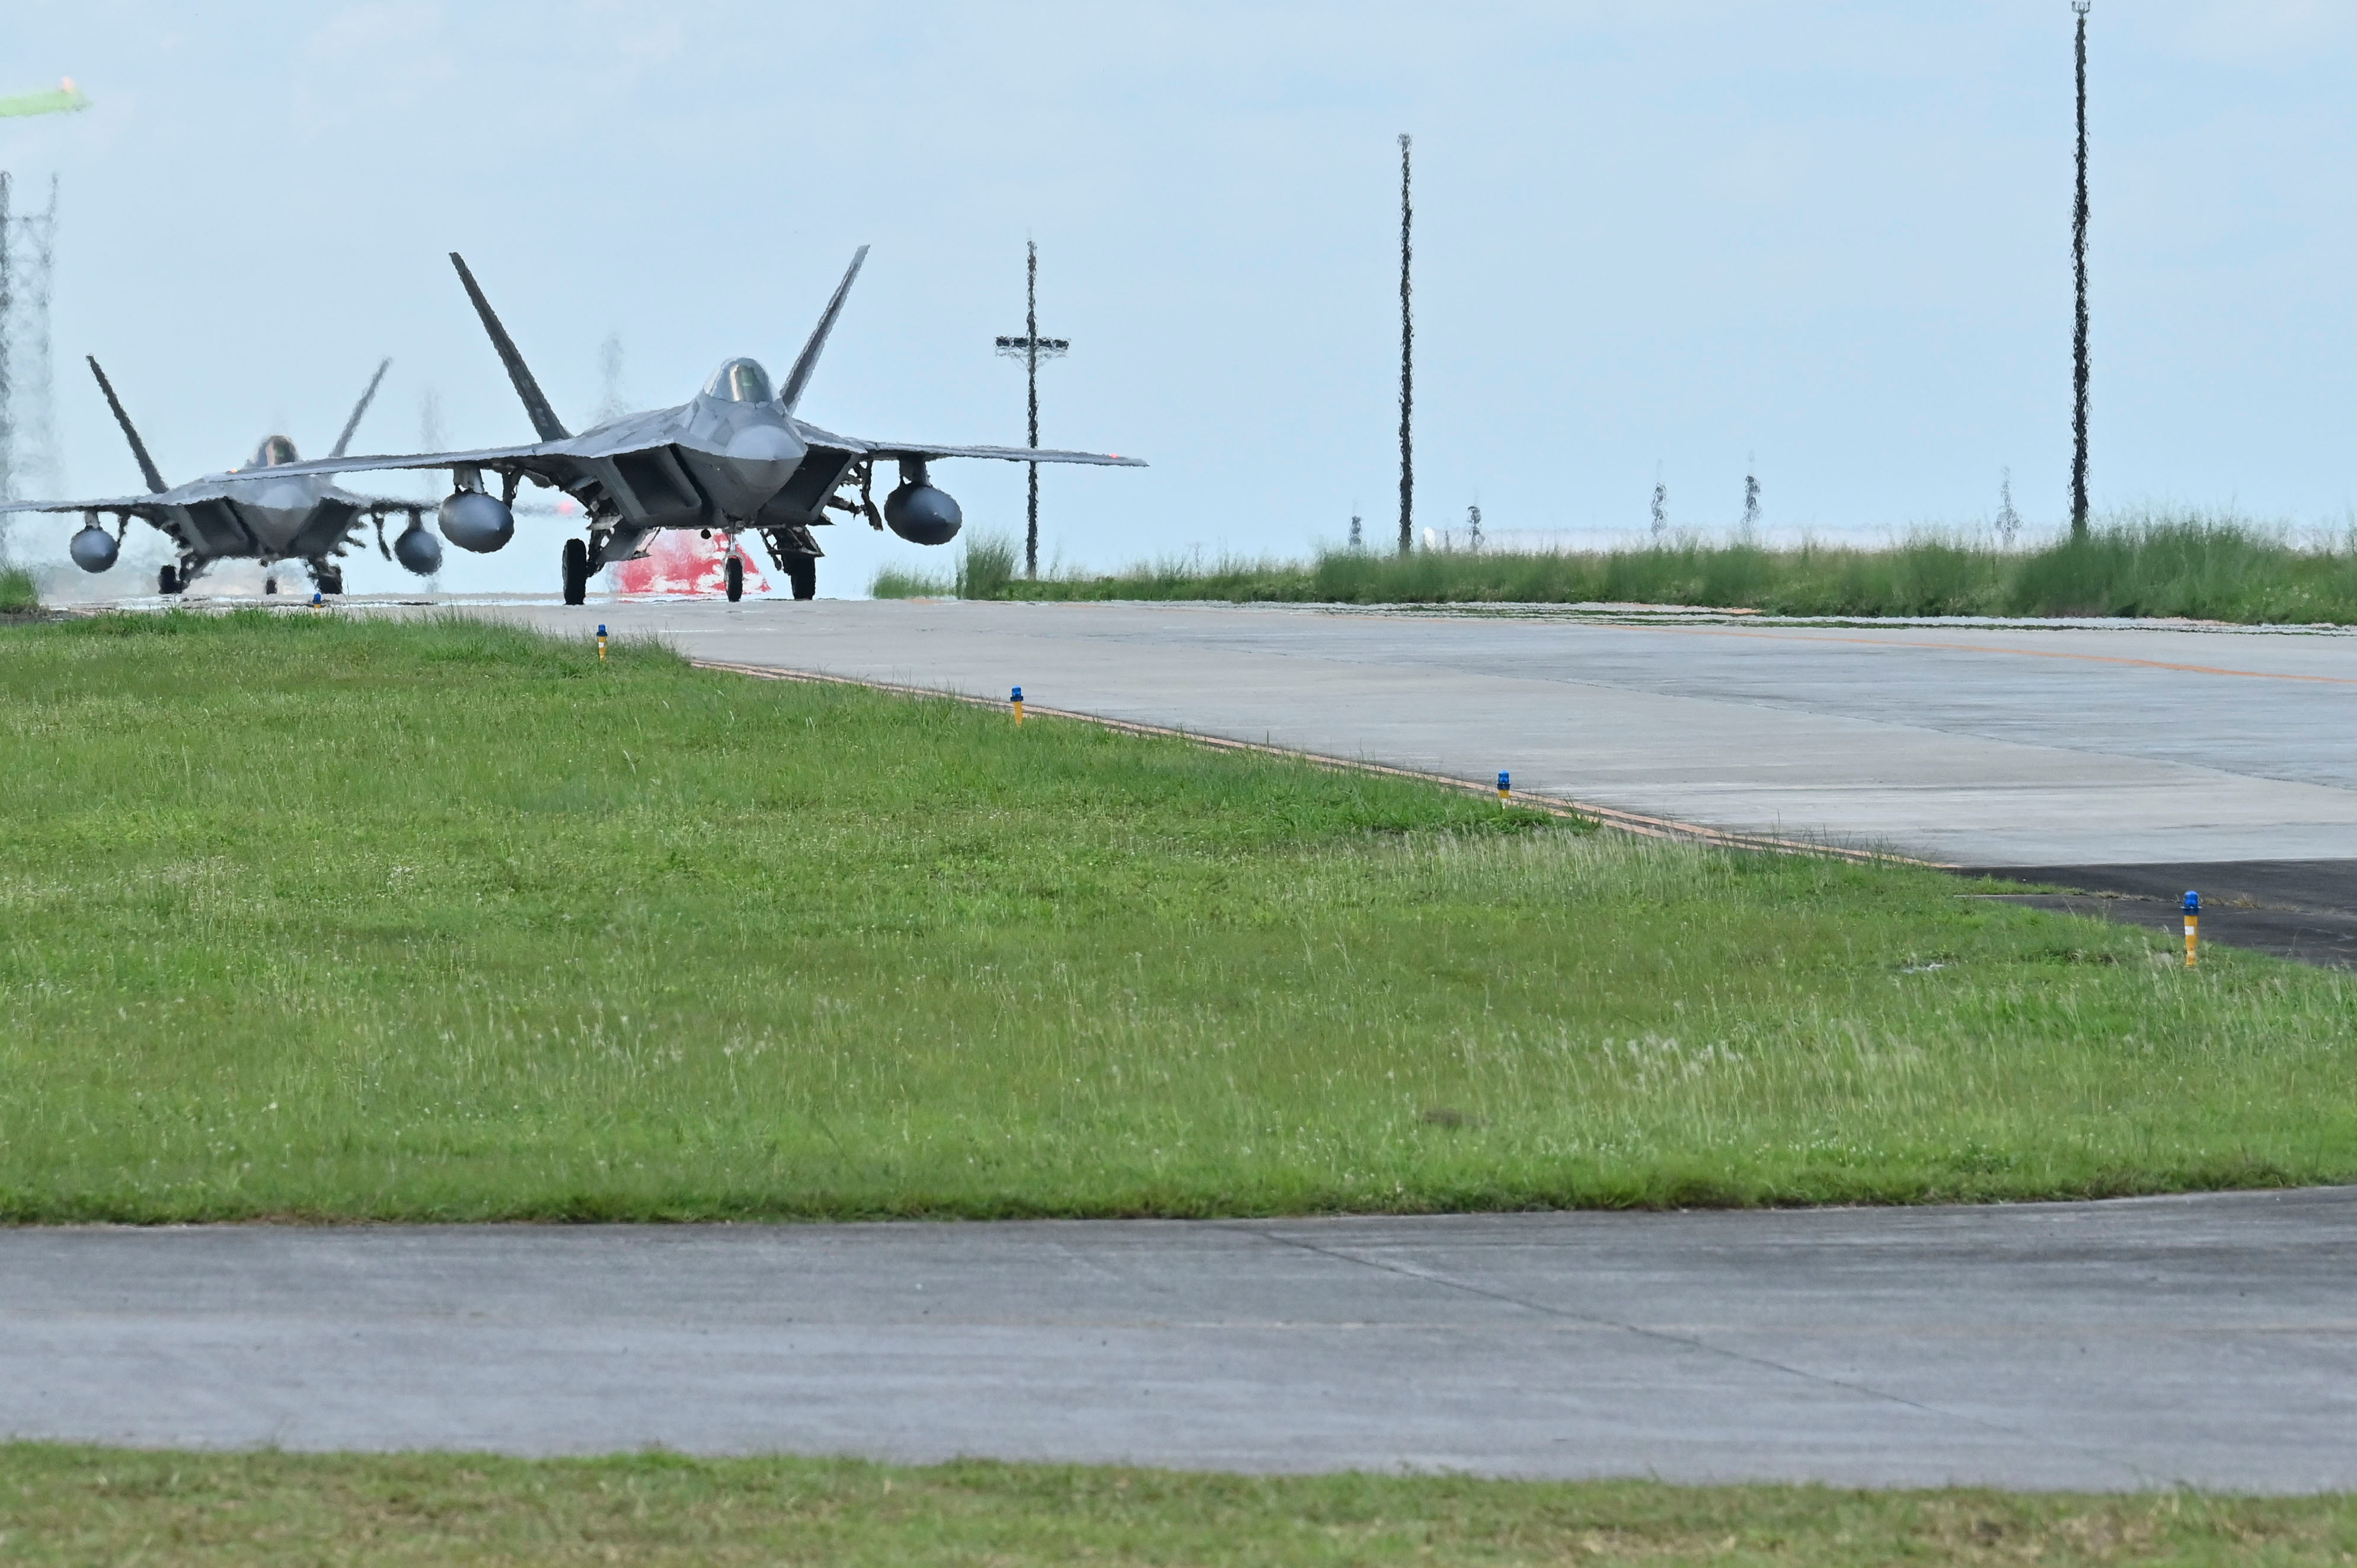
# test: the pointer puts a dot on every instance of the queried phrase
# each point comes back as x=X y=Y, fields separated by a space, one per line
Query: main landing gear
x=167 y=582
x=576 y=572
x=801 y=572
x=328 y=579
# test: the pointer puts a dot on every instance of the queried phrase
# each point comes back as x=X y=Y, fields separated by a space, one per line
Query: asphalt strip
x=2128 y=1345
x=2299 y=909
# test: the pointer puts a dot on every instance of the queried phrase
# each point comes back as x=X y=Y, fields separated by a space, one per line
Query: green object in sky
x=61 y=99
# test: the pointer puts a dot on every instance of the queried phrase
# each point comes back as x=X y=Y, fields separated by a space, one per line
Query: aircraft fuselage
x=711 y=463
x=266 y=518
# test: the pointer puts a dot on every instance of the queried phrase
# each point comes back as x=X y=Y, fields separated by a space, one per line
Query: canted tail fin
x=156 y=484
x=361 y=407
x=545 y=421
x=798 y=377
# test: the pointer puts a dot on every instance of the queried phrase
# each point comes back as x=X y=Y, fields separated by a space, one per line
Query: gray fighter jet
x=734 y=459
x=258 y=512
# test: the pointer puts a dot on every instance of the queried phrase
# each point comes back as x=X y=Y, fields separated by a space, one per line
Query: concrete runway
x=1969 y=745
x=2208 y=1340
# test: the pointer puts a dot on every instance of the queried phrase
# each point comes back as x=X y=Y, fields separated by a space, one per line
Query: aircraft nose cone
x=760 y=459
x=763 y=444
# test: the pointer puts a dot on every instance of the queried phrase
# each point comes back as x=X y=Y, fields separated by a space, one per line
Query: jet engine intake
x=93 y=548
x=418 y=550
x=918 y=512
x=474 y=521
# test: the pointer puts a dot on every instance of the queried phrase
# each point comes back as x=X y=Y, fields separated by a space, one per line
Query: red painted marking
x=681 y=561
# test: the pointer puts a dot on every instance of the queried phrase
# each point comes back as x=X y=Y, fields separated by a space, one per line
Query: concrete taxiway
x=1988 y=745
x=2207 y=1340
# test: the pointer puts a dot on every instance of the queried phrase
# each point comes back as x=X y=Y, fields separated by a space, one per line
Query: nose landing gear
x=734 y=572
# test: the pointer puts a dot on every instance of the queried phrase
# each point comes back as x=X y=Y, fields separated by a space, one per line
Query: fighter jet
x=733 y=460
x=257 y=512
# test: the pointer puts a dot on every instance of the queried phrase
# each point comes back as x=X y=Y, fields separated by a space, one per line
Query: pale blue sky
x=1651 y=236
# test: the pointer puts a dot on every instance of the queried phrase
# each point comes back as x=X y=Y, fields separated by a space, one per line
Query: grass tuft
x=988 y=567
x=984 y=571
x=312 y=915
x=18 y=594
x=2152 y=563
x=901 y=583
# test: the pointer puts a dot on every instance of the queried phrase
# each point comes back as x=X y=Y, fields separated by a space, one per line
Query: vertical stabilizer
x=353 y=424
x=545 y=421
x=155 y=484
x=798 y=377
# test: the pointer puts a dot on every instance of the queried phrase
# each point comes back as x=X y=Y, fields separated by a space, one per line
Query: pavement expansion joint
x=1665 y=1336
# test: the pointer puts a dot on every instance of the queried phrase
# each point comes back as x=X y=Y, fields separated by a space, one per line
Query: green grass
x=17 y=594
x=61 y=1505
x=986 y=568
x=310 y=916
x=2206 y=567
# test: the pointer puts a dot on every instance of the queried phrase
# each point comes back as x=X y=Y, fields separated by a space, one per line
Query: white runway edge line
x=2126 y=1345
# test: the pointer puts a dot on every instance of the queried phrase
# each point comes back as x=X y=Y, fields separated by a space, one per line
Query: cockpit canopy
x=274 y=450
x=740 y=380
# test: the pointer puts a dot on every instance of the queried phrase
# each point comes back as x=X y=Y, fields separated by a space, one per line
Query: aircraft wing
x=138 y=506
x=1005 y=454
x=499 y=458
x=928 y=450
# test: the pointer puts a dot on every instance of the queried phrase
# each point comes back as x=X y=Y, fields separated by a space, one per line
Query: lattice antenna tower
x=40 y=235
x=1031 y=348
x=7 y=324
x=41 y=468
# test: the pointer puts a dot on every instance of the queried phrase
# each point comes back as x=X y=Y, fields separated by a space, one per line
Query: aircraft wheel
x=330 y=580
x=576 y=572
x=167 y=582
x=802 y=571
x=270 y=585
x=736 y=573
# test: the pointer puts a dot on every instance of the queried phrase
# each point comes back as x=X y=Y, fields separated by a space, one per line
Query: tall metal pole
x=2079 y=333
x=1407 y=365
x=1031 y=348
x=1031 y=376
